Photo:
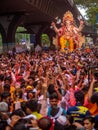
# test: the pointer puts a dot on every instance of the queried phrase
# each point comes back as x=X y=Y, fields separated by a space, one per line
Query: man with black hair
x=45 y=123
x=92 y=97
x=78 y=112
x=54 y=89
x=15 y=122
x=19 y=126
x=32 y=108
x=7 y=87
x=54 y=111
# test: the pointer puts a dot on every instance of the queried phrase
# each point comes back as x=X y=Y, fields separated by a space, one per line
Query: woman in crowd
x=89 y=123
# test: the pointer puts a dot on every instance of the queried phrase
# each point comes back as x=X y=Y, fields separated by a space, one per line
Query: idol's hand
x=81 y=22
x=53 y=24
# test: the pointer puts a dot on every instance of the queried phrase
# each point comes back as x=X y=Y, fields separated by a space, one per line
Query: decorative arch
x=13 y=27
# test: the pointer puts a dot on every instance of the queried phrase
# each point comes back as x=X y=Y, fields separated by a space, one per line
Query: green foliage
x=92 y=13
x=86 y=3
x=91 y=9
x=45 y=40
x=19 y=36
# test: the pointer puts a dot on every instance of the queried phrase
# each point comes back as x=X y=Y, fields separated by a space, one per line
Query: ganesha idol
x=68 y=35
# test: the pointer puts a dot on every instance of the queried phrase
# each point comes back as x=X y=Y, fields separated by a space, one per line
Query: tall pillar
x=51 y=34
x=38 y=35
x=8 y=26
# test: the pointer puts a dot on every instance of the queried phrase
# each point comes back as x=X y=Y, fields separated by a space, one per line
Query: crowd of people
x=49 y=90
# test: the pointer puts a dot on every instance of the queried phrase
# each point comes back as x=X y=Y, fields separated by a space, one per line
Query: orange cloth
x=12 y=89
x=93 y=108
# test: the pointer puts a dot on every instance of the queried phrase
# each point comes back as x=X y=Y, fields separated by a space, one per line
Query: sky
x=83 y=12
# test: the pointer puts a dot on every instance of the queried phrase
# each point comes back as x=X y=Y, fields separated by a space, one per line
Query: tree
x=19 y=36
x=45 y=40
x=91 y=9
x=86 y=3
